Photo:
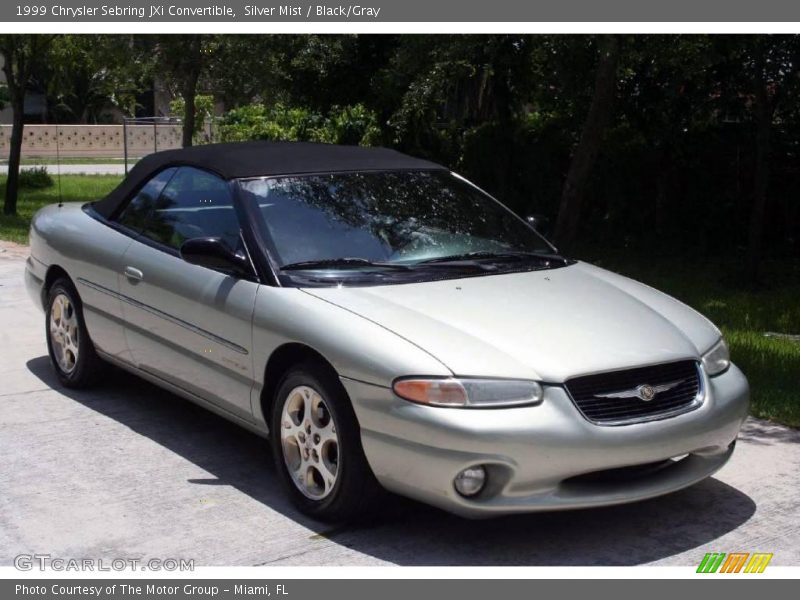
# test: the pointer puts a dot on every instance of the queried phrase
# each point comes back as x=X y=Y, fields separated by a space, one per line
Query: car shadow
x=409 y=533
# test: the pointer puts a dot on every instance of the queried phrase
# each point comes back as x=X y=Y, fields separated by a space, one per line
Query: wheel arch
x=54 y=273
x=282 y=359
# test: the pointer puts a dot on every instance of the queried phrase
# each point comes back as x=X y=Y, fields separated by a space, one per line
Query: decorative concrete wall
x=91 y=140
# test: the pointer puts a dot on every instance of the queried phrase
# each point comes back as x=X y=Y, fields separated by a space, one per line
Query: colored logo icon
x=734 y=562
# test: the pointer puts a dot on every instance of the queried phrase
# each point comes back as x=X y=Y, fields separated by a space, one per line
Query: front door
x=185 y=324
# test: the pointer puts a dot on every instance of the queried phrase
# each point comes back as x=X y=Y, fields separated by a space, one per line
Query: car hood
x=548 y=325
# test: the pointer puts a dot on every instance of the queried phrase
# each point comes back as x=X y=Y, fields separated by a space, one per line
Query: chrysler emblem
x=644 y=392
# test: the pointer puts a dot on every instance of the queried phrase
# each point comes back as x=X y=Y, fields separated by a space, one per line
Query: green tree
x=585 y=155
x=434 y=89
x=19 y=54
x=664 y=105
x=181 y=60
x=203 y=113
x=771 y=66
x=85 y=74
x=758 y=77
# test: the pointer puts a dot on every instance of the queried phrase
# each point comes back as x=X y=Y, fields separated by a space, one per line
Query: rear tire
x=316 y=446
x=71 y=350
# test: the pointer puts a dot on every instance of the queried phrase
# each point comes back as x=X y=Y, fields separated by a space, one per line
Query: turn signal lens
x=469 y=393
x=440 y=392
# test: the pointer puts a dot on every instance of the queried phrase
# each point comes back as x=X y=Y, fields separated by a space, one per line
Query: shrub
x=342 y=125
x=203 y=113
x=36 y=178
x=354 y=125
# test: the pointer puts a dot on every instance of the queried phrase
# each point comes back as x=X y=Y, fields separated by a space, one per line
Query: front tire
x=316 y=446
x=71 y=351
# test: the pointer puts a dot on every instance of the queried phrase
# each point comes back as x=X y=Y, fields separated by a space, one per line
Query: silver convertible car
x=388 y=325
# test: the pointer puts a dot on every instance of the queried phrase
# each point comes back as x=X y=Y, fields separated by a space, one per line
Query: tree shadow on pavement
x=764 y=433
x=409 y=533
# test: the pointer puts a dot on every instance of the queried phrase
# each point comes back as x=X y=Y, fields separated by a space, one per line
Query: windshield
x=363 y=221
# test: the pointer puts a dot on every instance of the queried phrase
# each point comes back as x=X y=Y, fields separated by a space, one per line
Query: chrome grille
x=609 y=398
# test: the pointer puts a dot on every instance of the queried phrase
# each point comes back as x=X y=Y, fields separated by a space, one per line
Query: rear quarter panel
x=90 y=252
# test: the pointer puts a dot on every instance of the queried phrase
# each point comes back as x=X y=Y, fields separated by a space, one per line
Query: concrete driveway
x=127 y=470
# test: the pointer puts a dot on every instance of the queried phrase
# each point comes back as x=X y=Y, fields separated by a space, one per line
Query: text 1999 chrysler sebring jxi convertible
x=387 y=324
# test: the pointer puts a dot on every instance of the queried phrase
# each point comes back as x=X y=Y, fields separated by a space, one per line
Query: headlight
x=718 y=359
x=469 y=393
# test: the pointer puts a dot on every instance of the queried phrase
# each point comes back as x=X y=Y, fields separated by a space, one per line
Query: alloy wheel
x=64 y=333
x=309 y=442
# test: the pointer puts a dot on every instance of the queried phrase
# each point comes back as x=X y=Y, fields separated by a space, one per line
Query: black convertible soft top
x=260 y=159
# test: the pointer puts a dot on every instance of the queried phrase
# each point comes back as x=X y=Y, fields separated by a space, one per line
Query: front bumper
x=34 y=280
x=535 y=456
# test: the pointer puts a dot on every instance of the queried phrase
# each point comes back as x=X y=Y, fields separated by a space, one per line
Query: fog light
x=470 y=481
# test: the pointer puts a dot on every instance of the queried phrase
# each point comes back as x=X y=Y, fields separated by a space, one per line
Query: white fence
x=101 y=141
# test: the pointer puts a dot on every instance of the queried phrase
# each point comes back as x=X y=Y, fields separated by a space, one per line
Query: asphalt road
x=129 y=471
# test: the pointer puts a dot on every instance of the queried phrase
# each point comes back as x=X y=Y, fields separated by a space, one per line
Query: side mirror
x=540 y=223
x=214 y=253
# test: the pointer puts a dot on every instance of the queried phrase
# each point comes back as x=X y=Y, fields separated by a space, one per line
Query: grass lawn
x=772 y=364
x=74 y=188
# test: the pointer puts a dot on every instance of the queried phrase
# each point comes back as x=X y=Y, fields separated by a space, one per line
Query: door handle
x=133 y=273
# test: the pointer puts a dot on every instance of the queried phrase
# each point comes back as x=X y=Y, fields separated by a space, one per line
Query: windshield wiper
x=477 y=256
x=333 y=263
x=470 y=259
